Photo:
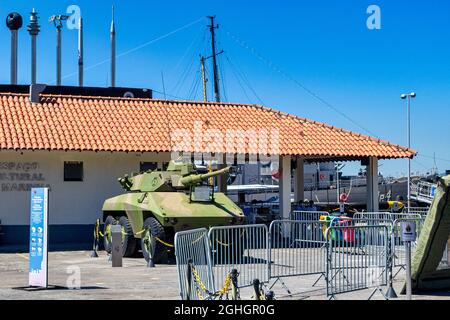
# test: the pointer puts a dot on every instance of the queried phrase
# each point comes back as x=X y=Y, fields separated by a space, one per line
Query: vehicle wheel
x=153 y=228
x=107 y=240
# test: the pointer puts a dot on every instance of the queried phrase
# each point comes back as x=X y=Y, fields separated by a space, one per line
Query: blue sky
x=322 y=45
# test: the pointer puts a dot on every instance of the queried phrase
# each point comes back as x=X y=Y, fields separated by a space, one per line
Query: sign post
x=38 y=271
x=408 y=236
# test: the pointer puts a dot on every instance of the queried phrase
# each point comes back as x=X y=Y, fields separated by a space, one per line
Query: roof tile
x=144 y=125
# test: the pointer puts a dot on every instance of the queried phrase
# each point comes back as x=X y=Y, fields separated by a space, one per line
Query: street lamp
x=408 y=97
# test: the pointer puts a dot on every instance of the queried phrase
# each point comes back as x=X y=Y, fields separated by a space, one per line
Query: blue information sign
x=38 y=237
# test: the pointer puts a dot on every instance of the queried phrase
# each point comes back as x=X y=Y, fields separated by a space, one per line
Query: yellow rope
x=164 y=243
x=223 y=244
x=140 y=232
x=224 y=290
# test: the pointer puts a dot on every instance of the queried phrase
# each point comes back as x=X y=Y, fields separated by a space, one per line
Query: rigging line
x=432 y=157
x=221 y=70
x=188 y=48
x=184 y=76
x=271 y=65
x=238 y=80
x=421 y=164
x=193 y=87
x=138 y=47
x=244 y=78
x=168 y=94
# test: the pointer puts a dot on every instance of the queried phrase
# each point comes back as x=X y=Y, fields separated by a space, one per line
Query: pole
x=80 y=52
x=221 y=180
x=33 y=30
x=14 y=35
x=409 y=146
x=113 y=51
x=212 y=27
x=337 y=182
x=204 y=81
x=408 y=269
x=58 y=55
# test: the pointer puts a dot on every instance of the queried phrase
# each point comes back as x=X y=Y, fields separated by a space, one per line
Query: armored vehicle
x=160 y=203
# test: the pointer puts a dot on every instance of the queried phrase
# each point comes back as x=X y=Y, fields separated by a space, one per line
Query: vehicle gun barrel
x=197 y=178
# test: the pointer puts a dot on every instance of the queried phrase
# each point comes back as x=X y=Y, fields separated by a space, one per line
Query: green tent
x=428 y=271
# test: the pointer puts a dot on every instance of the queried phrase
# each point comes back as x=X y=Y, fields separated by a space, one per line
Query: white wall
x=70 y=202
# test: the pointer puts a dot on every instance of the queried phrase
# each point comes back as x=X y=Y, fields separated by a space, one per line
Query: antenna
x=14 y=22
x=80 y=52
x=58 y=23
x=163 y=85
x=113 y=50
x=33 y=30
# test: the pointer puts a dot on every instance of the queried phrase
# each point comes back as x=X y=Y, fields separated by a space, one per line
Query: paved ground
x=98 y=280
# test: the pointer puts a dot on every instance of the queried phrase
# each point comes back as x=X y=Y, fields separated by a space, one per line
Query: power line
x=274 y=67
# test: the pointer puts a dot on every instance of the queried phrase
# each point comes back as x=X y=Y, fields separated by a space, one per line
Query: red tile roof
x=145 y=125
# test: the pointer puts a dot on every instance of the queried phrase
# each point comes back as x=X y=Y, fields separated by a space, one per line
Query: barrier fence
x=195 y=276
x=298 y=215
x=245 y=248
x=350 y=254
x=357 y=258
x=297 y=248
x=398 y=248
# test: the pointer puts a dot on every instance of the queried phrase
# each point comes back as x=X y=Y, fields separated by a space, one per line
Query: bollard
x=234 y=285
x=116 y=252
x=390 y=293
x=270 y=295
x=256 y=289
x=94 y=253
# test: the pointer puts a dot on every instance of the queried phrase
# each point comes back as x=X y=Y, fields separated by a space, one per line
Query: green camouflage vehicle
x=160 y=203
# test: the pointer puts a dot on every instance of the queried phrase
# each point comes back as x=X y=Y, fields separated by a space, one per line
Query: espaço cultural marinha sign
x=21 y=176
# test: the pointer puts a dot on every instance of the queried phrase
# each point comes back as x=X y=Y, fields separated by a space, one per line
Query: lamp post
x=408 y=97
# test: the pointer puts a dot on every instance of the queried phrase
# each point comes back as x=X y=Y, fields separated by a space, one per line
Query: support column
x=299 y=180
x=372 y=185
x=285 y=186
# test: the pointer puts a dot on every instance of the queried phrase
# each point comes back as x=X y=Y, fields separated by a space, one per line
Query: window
x=73 y=171
x=145 y=166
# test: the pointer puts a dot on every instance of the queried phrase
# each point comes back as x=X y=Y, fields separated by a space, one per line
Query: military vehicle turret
x=160 y=203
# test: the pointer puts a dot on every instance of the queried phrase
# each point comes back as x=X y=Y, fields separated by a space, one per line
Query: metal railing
x=298 y=215
x=245 y=248
x=357 y=258
x=423 y=211
x=193 y=258
x=398 y=249
x=423 y=191
x=297 y=248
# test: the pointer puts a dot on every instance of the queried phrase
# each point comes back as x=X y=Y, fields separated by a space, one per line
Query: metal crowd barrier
x=357 y=258
x=297 y=248
x=423 y=211
x=297 y=215
x=245 y=248
x=398 y=248
x=193 y=258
